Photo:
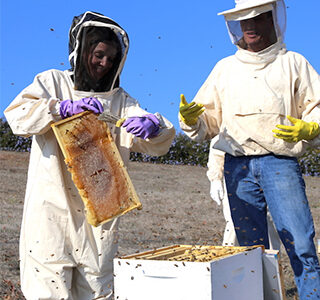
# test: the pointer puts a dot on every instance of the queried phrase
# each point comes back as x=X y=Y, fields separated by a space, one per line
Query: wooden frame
x=96 y=166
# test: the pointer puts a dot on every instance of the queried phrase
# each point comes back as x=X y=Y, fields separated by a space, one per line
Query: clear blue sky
x=174 y=44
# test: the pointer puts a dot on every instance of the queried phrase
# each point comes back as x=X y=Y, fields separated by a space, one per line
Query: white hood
x=247 y=9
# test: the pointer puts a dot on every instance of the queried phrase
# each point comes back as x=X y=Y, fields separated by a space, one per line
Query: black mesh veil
x=86 y=31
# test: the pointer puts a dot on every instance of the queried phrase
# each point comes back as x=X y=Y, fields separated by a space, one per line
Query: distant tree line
x=11 y=142
x=183 y=151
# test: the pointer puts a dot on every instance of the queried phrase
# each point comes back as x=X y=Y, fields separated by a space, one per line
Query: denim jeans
x=255 y=182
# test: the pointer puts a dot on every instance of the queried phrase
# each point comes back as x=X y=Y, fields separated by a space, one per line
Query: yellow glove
x=189 y=112
x=300 y=130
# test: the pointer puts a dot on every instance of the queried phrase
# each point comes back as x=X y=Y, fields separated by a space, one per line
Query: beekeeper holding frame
x=62 y=256
x=263 y=104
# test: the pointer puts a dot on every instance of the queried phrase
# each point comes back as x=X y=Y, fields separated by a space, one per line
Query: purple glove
x=69 y=108
x=143 y=127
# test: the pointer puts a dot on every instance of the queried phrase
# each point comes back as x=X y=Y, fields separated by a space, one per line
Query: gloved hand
x=300 y=130
x=217 y=191
x=69 y=108
x=144 y=127
x=189 y=112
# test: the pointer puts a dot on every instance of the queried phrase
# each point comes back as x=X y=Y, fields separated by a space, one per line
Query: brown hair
x=90 y=37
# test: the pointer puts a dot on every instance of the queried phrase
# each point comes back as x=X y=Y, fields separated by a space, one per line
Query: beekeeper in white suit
x=263 y=106
x=62 y=256
x=219 y=195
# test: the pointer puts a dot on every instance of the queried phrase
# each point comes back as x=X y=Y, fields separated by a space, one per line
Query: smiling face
x=98 y=60
x=258 y=32
x=101 y=59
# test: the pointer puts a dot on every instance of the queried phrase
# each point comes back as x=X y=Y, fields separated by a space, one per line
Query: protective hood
x=86 y=32
x=247 y=9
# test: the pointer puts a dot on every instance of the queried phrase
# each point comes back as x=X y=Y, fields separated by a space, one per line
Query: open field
x=177 y=209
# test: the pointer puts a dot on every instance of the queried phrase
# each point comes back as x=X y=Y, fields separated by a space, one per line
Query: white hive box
x=273 y=284
x=177 y=273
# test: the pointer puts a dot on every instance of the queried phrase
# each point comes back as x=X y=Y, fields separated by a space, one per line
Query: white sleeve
x=35 y=108
x=215 y=164
x=209 y=121
x=308 y=96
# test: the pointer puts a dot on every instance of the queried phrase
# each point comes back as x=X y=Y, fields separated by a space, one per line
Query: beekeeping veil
x=86 y=32
x=247 y=9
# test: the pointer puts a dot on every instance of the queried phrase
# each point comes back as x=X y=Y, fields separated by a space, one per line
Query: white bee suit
x=62 y=256
x=250 y=88
x=55 y=237
x=265 y=100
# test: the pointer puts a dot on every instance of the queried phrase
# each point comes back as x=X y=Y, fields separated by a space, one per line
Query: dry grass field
x=177 y=209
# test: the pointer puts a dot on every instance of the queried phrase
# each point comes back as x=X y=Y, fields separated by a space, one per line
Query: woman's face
x=100 y=60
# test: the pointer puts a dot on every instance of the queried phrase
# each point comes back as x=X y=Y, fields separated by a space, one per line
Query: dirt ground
x=177 y=209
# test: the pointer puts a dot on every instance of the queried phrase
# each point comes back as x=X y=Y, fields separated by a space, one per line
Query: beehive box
x=96 y=167
x=185 y=272
x=273 y=283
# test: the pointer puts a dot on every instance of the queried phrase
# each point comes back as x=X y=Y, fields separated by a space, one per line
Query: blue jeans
x=255 y=182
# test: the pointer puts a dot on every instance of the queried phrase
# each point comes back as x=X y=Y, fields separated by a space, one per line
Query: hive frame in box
x=127 y=199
